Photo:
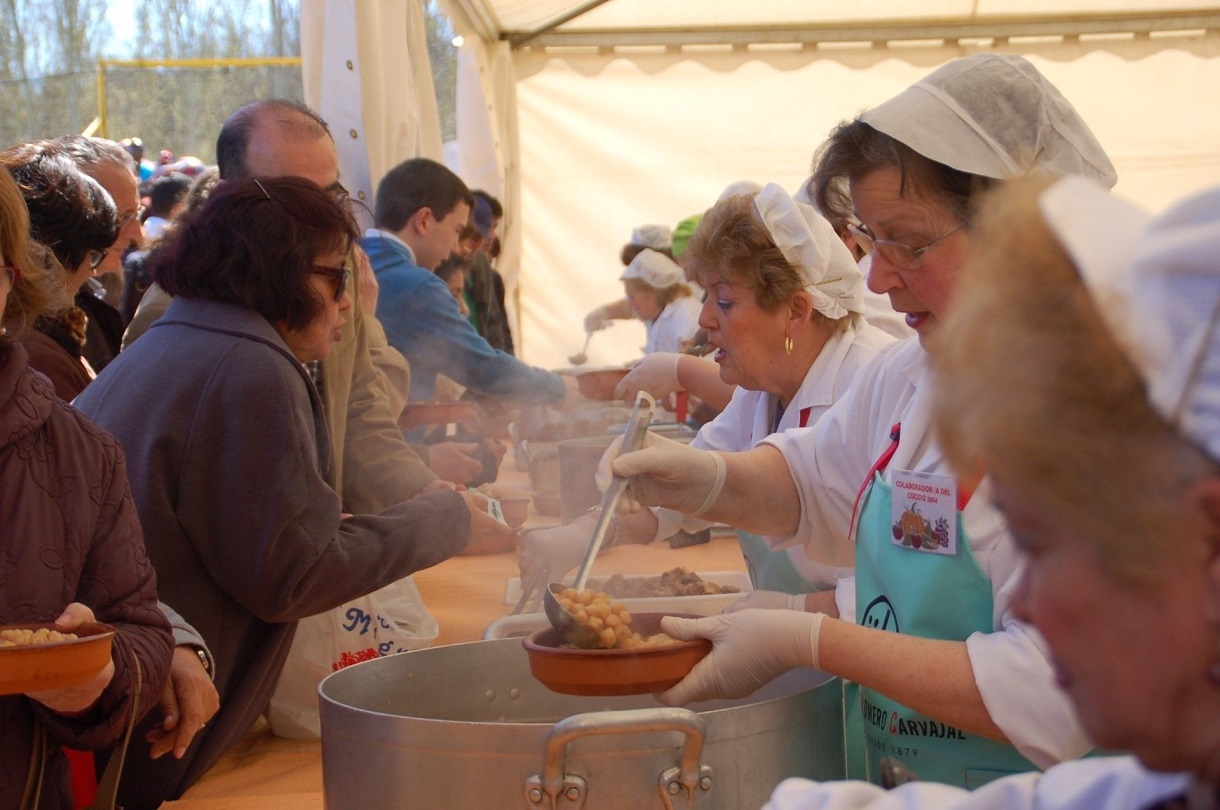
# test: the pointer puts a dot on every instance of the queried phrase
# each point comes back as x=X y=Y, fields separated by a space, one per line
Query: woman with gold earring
x=783 y=310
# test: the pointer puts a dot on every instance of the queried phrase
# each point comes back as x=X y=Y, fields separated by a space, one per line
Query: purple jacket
x=69 y=533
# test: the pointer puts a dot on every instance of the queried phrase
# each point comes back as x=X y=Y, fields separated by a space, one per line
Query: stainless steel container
x=466 y=726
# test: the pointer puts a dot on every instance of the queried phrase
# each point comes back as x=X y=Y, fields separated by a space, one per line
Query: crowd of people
x=995 y=520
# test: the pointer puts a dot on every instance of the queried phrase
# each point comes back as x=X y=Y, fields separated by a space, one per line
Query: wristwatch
x=203 y=659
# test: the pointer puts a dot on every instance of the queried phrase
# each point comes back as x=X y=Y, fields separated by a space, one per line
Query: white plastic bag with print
x=388 y=621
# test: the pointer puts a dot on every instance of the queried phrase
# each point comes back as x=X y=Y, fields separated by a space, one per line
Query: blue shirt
x=422 y=321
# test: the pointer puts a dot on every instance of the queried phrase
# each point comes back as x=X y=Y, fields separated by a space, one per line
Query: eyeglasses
x=338 y=192
x=340 y=275
x=96 y=257
x=904 y=257
x=12 y=271
x=130 y=217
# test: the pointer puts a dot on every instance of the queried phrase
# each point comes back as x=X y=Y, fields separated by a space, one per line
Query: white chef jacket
x=672 y=328
x=1107 y=783
x=746 y=421
x=831 y=460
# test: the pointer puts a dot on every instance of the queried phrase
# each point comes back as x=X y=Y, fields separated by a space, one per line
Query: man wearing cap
x=420 y=210
x=484 y=285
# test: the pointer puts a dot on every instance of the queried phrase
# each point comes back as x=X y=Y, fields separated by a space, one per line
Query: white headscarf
x=655 y=269
x=993 y=115
x=810 y=245
x=1157 y=283
x=657 y=237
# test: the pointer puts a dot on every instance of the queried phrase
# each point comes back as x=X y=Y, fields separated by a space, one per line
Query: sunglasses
x=96 y=257
x=340 y=275
x=13 y=272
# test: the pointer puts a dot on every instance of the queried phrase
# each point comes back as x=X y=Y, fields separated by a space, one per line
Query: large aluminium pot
x=466 y=726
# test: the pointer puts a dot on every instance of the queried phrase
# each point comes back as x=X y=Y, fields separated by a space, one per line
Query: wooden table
x=264 y=772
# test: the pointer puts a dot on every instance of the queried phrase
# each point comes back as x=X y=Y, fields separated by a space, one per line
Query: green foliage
x=443 y=57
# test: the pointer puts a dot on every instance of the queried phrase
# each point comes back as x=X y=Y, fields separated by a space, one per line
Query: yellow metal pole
x=101 y=98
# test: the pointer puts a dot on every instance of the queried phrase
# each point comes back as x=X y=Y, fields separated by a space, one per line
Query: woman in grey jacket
x=227 y=446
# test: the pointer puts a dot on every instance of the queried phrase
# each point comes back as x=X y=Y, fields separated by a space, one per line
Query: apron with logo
x=925 y=594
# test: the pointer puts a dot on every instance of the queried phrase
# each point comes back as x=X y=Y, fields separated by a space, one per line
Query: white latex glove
x=749 y=649
x=768 y=600
x=664 y=473
x=657 y=374
x=558 y=549
x=597 y=319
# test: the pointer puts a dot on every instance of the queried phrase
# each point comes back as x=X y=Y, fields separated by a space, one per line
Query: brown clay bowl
x=600 y=383
x=56 y=664
x=612 y=672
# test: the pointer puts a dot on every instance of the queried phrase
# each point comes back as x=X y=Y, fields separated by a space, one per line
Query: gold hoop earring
x=787 y=343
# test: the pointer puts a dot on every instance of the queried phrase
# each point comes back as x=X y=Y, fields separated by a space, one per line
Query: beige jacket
x=364 y=385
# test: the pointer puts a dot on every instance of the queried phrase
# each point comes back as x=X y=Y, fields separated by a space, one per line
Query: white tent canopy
x=590 y=118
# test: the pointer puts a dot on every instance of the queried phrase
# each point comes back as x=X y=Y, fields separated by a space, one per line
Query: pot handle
x=546 y=790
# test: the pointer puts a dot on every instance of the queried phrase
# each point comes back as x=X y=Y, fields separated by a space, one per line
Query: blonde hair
x=1034 y=388
x=34 y=292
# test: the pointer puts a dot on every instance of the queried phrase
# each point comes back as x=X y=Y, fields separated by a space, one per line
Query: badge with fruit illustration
x=923 y=512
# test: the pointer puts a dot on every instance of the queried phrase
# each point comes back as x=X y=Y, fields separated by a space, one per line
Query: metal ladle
x=580 y=358
x=566 y=624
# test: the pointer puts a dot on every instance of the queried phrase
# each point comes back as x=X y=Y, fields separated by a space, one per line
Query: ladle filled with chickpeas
x=560 y=615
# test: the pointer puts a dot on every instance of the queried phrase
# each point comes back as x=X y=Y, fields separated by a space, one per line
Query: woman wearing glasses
x=227 y=445
x=73 y=217
x=950 y=685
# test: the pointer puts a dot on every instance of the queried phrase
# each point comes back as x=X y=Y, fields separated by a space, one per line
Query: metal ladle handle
x=637 y=426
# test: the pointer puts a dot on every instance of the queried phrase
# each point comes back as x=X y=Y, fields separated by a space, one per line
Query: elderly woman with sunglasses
x=947 y=682
x=75 y=219
x=227 y=448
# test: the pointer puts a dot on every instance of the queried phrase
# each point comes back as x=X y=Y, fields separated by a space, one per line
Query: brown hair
x=665 y=295
x=1034 y=387
x=631 y=250
x=254 y=242
x=33 y=294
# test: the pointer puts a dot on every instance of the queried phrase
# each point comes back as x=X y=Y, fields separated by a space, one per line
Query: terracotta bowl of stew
x=573 y=671
x=54 y=664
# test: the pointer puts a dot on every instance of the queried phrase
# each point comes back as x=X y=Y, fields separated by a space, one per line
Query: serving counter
x=465 y=594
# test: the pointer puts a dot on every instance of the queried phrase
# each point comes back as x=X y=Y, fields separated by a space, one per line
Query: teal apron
x=773 y=570
x=907 y=591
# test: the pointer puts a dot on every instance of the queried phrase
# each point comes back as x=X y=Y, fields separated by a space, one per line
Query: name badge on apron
x=923 y=512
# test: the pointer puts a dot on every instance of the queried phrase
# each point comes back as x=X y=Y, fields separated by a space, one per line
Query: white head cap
x=739 y=187
x=810 y=245
x=1157 y=282
x=657 y=237
x=654 y=269
x=993 y=115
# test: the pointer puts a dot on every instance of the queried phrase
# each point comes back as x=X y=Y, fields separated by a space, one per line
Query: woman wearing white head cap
x=782 y=309
x=643 y=237
x=953 y=687
x=1094 y=380
x=655 y=290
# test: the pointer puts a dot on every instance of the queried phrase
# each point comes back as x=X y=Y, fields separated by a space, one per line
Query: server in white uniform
x=783 y=308
x=951 y=685
x=661 y=299
x=1087 y=339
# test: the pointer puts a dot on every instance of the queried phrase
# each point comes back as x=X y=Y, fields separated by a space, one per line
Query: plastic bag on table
x=391 y=620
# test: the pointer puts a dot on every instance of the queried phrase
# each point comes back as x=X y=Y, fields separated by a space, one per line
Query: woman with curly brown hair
x=227 y=442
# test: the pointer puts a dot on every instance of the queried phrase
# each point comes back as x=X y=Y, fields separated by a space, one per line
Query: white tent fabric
x=589 y=142
x=365 y=69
